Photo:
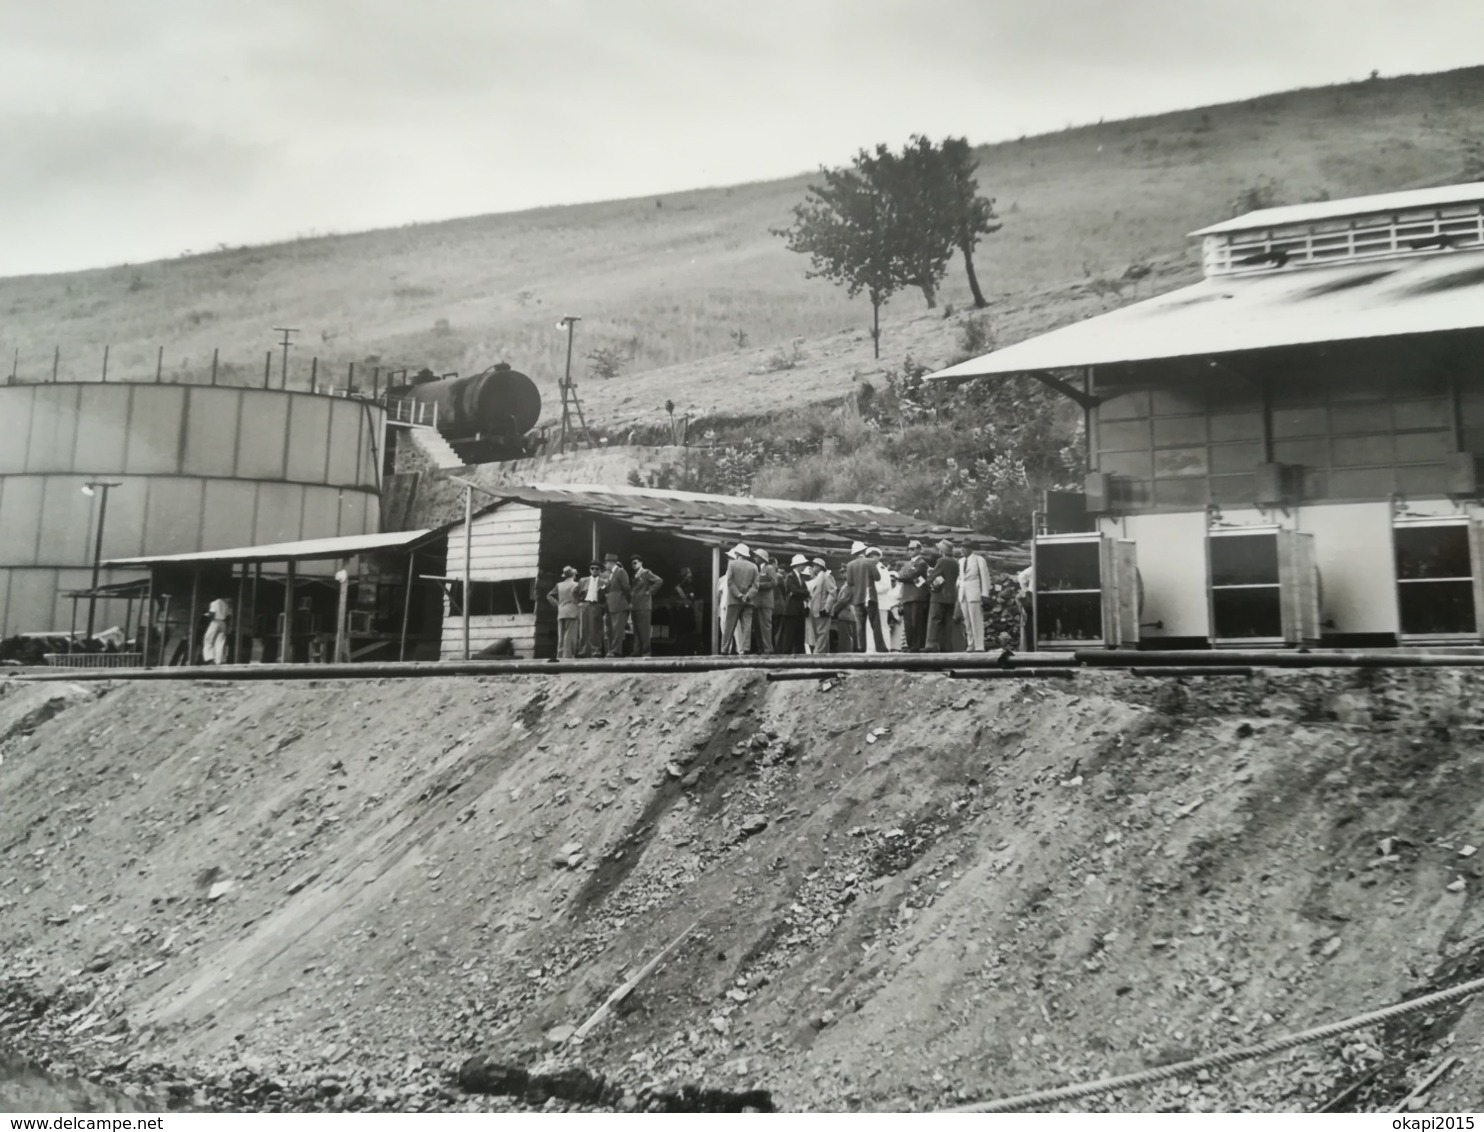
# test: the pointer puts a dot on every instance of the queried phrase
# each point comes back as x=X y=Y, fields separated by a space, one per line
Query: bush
x=785 y=357
x=607 y=362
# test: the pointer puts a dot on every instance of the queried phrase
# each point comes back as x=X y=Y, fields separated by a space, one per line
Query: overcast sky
x=136 y=129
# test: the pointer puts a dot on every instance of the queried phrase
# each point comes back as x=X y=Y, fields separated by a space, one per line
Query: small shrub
x=739 y=339
x=784 y=358
x=607 y=362
x=1255 y=197
x=974 y=337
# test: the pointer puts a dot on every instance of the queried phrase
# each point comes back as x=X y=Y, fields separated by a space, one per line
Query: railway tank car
x=485 y=416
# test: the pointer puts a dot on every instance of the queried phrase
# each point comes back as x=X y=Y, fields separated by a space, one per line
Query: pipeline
x=1224 y=1058
x=1010 y=673
x=1277 y=658
x=825 y=663
x=979 y=666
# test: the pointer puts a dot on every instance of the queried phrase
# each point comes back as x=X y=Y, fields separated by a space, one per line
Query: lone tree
x=845 y=228
x=966 y=214
x=920 y=228
x=892 y=220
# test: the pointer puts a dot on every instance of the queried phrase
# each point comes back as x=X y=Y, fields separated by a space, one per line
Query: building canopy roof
x=342 y=546
x=1230 y=314
x=779 y=525
x=1408 y=200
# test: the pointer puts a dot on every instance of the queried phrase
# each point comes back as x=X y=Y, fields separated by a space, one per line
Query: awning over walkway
x=1225 y=315
x=343 y=546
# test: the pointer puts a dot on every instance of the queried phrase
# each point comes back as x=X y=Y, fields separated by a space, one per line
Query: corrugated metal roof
x=777 y=525
x=342 y=546
x=1230 y=314
x=1349 y=206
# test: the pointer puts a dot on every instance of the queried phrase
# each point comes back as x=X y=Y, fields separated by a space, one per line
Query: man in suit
x=843 y=615
x=646 y=582
x=793 y=590
x=741 y=586
x=943 y=584
x=564 y=596
x=618 y=594
x=975 y=583
x=767 y=590
x=821 y=600
x=590 y=612
x=861 y=573
x=915 y=594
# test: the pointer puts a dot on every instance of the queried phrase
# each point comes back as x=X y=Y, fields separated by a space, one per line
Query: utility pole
x=100 y=489
x=285 y=331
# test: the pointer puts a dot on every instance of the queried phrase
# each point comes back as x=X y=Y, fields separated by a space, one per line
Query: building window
x=1246 y=597
x=1069 y=591
x=1434 y=580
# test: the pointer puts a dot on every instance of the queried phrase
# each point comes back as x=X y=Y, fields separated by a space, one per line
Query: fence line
x=220 y=372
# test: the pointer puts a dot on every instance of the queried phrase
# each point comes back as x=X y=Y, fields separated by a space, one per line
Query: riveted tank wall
x=198 y=468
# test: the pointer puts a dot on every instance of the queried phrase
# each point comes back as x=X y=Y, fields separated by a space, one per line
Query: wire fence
x=277 y=370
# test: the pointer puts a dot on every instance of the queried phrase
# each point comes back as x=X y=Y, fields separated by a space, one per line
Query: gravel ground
x=886 y=891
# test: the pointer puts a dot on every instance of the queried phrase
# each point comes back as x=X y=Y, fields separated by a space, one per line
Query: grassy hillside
x=685 y=277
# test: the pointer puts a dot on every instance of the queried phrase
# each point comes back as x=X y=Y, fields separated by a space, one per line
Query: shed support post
x=237 y=615
x=468 y=559
x=195 y=612
x=286 y=645
x=711 y=601
x=406 y=606
x=149 y=615
x=257 y=577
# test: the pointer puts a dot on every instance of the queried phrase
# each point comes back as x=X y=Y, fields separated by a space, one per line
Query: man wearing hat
x=943 y=586
x=821 y=601
x=915 y=594
x=646 y=583
x=861 y=574
x=767 y=590
x=741 y=583
x=590 y=612
x=793 y=591
x=618 y=591
x=564 y=596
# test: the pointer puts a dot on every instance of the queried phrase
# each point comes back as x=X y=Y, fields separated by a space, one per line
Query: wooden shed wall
x=505 y=545
x=485 y=631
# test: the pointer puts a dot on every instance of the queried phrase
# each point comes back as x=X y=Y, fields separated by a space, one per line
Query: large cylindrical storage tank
x=198 y=468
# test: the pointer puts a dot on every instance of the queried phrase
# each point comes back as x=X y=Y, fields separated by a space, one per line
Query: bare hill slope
x=907 y=890
x=689 y=276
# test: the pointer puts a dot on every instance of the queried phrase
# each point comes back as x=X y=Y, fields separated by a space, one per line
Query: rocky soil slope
x=903 y=891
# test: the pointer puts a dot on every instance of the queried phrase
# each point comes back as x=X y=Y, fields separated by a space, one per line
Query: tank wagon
x=485 y=416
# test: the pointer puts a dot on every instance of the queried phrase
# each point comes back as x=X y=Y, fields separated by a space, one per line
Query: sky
x=133 y=130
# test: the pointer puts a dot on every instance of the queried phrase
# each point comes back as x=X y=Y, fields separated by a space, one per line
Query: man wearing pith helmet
x=741 y=583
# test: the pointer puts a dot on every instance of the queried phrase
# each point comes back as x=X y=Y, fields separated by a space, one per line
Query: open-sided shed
x=517 y=544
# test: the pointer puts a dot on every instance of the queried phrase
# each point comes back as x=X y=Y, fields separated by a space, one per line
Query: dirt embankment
x=907 y=890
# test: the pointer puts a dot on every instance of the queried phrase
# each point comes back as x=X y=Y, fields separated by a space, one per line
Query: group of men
x=764 y=606
x=594 y=613
x=805 y=608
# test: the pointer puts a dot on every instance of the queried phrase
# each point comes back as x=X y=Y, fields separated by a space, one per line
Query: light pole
x=100 y=489
x=470 y=487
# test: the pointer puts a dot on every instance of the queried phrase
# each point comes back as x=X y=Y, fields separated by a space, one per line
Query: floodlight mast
x=569 y=391
x=97 y=488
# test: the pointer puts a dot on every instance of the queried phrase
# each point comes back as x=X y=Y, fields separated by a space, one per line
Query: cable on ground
x=1222 y=1059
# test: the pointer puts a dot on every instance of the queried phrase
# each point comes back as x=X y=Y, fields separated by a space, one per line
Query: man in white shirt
x=590 y=612
x=214 y=647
